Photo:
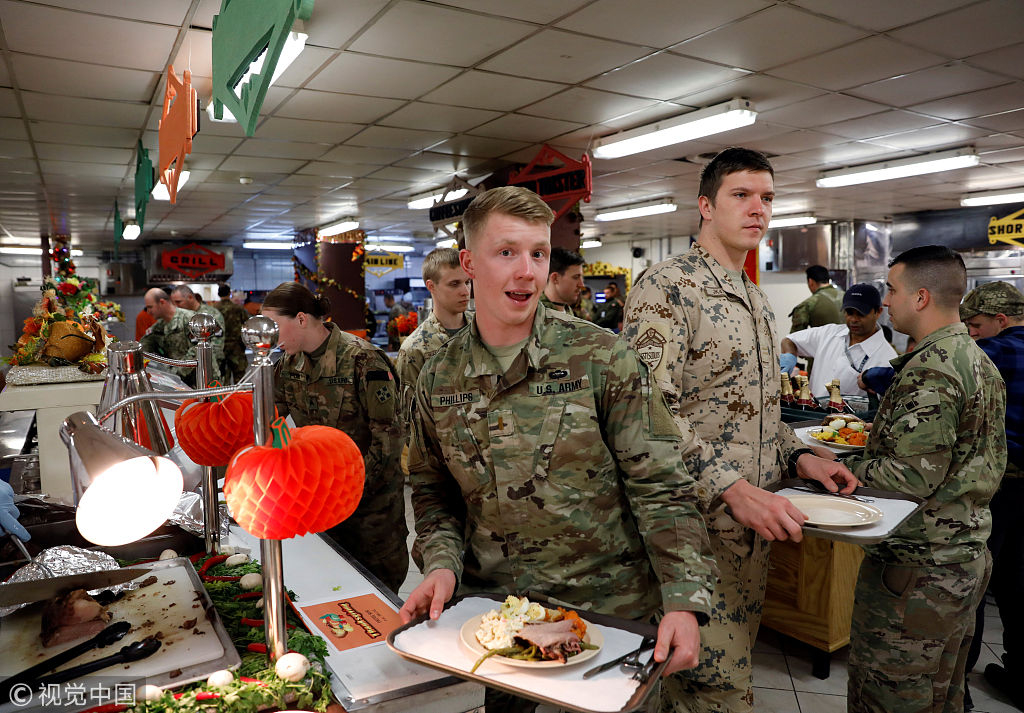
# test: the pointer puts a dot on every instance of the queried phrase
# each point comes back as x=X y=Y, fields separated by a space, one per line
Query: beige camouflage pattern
x=825 y=306
x=561 y=476
x=234 y=317
x=712 y=347
x=417 y=348
x=173 y=340
x=351 y=386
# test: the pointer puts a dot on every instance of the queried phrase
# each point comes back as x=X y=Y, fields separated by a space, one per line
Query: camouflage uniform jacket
x=417 y=348
x=557 y=306
x=234 y=317
x=352 y=387
x=712 y=347
x=560 y=476
x=939 y=434
x=825 y=306
x=173 y=340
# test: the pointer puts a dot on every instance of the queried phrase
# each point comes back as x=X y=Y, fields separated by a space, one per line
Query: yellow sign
x=380 y=264
x=1007 y=230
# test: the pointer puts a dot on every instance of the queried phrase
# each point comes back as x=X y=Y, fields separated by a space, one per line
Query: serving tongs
x=113 y=633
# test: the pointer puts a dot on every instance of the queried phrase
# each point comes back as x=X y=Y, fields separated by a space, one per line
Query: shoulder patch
x=379 y=375
x=651 y=347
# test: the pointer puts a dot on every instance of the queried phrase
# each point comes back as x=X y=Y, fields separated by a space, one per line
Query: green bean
x=496 y=652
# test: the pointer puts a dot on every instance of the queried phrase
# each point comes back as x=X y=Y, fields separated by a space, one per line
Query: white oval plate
x=833 y=511
x=468 y=636
x=831 y=444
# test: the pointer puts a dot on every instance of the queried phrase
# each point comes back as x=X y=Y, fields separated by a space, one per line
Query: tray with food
x=865 y=517
x=534 y=650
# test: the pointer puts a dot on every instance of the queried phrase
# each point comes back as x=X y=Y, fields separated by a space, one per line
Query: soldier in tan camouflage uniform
x=234 y=317
x=449 y=287
x=824 y=306
x=543 y=457
x=170 y=336
x=565 y=280
x=331 y=378
x=938 y=434
x=184 y=298
x=708 y=335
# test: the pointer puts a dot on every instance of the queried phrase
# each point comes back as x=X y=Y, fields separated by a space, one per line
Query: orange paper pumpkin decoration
x=211 y=431
x=309 y=480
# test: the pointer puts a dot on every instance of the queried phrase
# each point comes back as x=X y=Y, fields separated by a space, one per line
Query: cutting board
x=174 y=606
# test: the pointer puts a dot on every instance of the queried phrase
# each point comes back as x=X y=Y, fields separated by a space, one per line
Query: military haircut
x=818 y=273
x=183 y=290
x=562 y=259
x=290 y=298
x=513 y=201
x=437 y=260
x=223 y=290
x=937 y=269
x=731 y=160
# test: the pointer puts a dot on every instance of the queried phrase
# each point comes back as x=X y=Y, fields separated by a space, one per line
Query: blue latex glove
x=9 y=513
x=787 y=361
x=878 y=378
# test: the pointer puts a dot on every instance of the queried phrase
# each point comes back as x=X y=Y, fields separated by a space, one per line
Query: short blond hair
x=438 y=260
x=513 y=201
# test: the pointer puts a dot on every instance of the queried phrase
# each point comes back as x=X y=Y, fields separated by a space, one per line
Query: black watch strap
x=793 y=457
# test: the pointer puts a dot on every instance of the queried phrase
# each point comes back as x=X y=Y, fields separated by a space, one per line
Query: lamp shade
x=123 y=491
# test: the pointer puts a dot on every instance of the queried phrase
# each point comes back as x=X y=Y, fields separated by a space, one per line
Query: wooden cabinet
x=809 y=594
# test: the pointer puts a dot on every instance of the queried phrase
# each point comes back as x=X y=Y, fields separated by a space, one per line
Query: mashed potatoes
x=498 y=627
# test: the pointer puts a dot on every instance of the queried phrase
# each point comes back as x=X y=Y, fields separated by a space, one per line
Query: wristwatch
x=793 y=457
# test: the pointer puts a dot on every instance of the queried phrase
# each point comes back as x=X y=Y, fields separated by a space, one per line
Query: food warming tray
x=437 y=644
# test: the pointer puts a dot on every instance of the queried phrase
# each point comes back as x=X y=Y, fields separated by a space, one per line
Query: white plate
x=828 y=444
x=833 y=511
x=468 y=636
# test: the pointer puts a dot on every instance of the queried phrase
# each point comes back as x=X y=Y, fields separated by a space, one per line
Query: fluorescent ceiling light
x=131 y=230
x=390 y=239
x=265 y=245
x=342 y=226
x=293 y=47
x=591 y=243
x=664 y=205
x=1007 y=195
x=790 y=221
x=900 y=168
x=160 y=190
x=389 y=247
x=16 y=250
x=427 y=200
x=450 y=243
x=703 y=122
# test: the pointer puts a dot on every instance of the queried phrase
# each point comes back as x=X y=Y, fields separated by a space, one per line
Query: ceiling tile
x=334 y=23
x=765 y=92
x=438 y=117
x=880 y=15
x=352 y=73
x=85 y=37
x=523 y=128
x=204 y=143
x=78 y=79
x=249 y=163
x=864 y=61
x=753 y=43
x=665 y=76
x=480 y=146
x=338 y=170
x=82 y=135
x=932 y=138
x=386 y=137
x=486 y=90
x=882 y=124
x=13 y=129
x=1007 y=121
x=158 y=11
x=308 y=62
x=92 y=170
x=563 y=57
x=84 y=154
x=371 y=156
x=972 y=104
x=993 y=23
x=195 y=55
x=324 y=132
x=540 y=11
x=350 y=108
x=281 y=149
x=449 y=163
x=15 y=149
x=825 y=109
x=587 y=106
x=1005 y=60
x=411 y=176
x=928 y=84
x=431 y=33
x=85 y=111
x=794 y=142
x=647 y=22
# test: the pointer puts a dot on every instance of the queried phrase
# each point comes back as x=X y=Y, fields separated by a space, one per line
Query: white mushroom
x=168 y=555
x=235 y=560
x=251 y=581
x=292 y=667
x=148 y=692
x=220 y=679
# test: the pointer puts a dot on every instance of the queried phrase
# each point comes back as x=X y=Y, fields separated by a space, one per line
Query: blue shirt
x=1006 y=350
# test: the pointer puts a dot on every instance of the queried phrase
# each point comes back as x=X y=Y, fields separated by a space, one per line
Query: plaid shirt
x=1006 y=350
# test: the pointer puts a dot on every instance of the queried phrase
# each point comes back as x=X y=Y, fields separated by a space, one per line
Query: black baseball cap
x=862 y=297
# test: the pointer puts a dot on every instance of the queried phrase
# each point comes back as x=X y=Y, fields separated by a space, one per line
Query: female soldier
x=331 y=378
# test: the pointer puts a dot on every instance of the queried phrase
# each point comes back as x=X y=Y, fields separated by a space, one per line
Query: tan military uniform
x=560 y=475
x=712 y=347
x=349 y=384
x=417 y=348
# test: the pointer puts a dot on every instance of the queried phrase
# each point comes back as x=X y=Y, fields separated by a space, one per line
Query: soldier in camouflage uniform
x=824 y=306
x=170 y=336
x=234 y=317
x=565 y=280
x=708 y=335
x=449 y=287
x=331 y=378
x=938 y=434
x=543 y=457
x=184 y=298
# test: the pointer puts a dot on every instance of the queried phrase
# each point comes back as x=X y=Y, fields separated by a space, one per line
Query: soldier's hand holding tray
x=430 y=596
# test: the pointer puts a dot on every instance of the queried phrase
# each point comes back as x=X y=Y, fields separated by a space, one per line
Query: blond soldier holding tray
x=708 y=335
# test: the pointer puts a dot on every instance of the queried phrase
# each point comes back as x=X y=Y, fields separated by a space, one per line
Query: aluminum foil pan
x=188 y=515
x=66 y=559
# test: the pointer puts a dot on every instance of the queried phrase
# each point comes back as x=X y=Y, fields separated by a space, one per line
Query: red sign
x=560 y=187
x=192 y=260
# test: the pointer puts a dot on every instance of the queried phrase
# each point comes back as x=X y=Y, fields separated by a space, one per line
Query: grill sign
x=192 y=260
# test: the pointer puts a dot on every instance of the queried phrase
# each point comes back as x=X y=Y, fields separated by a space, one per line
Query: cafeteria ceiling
x=391 y=98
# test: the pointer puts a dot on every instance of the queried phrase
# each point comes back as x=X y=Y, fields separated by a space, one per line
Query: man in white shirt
x=842 y=351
